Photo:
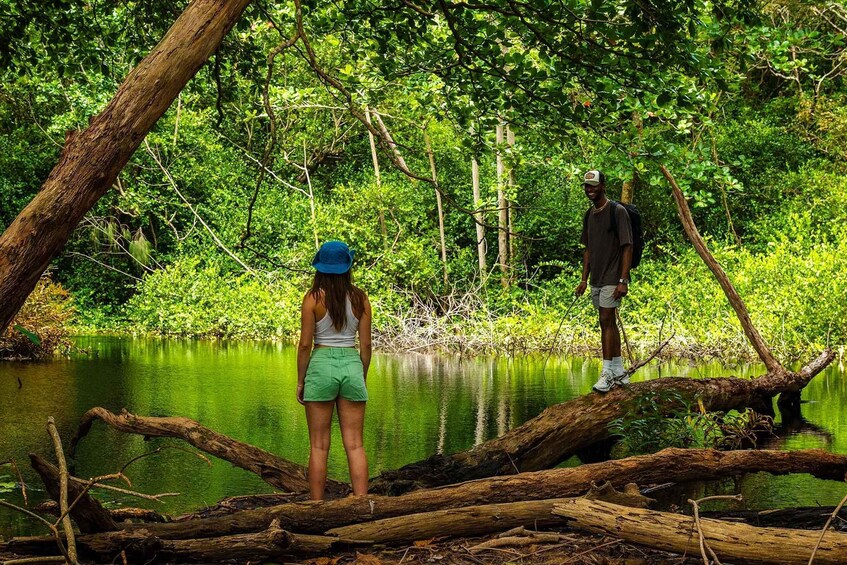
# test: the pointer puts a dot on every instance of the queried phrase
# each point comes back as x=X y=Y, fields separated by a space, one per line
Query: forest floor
x=573 y=549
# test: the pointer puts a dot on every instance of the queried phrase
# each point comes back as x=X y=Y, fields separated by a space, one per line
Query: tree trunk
x=738 y=543
x=274 y=470
x=562 y=430
x=140 y=546
x=458 y=522
x=732 y=295
x=503 y=212
x=91 y=159
x=674 y=465
x=480 y=229
x=510 y=208
x=440 y=208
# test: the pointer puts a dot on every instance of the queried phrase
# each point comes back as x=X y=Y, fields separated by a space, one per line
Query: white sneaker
x=605 y=382
x=622 y=379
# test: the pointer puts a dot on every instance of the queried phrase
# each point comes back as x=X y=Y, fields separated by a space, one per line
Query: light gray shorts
x=601 y=296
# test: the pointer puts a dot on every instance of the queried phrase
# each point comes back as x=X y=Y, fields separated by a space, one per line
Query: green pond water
x=419 y=405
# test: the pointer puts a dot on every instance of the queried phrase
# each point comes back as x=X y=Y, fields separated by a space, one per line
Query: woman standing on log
x=332 y=373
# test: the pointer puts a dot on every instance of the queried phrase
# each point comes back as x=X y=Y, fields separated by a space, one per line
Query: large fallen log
x=676 y=465
x=470 y=521
x=738 y=543
x=276 y=471
x=563 y=429
x=139 y=546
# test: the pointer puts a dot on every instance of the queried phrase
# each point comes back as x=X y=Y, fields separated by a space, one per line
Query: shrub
x=41 y=327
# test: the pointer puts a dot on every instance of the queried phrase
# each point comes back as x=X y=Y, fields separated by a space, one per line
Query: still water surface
x=419 y=405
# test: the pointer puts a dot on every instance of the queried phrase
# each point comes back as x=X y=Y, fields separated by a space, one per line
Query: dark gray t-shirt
x=604 y=246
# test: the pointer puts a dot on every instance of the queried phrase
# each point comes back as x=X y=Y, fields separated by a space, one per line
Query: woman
x=333 y=373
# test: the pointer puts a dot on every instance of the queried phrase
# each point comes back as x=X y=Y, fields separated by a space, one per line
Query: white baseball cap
x=591 y=178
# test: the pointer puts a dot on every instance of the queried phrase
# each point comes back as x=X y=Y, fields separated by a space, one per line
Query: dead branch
x=704 y=546
x=732 y=295
x=274 y=470
x=64 y=518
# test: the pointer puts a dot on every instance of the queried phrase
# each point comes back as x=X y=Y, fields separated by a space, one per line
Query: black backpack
x=635 y=223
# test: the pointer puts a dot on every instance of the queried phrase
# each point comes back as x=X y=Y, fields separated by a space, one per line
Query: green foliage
x=196 y=298
x=667 y=418
x=615 y=85
x=42 y=326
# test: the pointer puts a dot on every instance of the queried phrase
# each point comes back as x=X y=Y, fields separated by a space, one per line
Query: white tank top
x=326 y=334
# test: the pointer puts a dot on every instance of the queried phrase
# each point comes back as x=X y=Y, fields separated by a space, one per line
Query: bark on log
x=91 y=159
x=276 y=471
x=738 y=543
x=676 y=465
x=140 y=546
x=457 y=522
x=563 y=429
x=88 y=514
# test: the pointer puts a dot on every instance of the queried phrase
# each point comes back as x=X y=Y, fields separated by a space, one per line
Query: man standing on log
x=607 y=259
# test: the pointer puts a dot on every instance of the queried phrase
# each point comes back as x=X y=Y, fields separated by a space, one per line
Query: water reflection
x=420 y=405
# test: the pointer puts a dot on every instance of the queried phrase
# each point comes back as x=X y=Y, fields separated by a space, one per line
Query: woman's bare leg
x=319 y=420
x=351 y=416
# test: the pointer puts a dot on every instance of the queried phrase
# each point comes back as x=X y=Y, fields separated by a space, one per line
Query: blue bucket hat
x=334 y=258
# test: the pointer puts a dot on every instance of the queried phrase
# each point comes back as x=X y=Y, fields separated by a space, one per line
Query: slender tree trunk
x=439 y=205
x=510 y=207
x=503 y=212
x=629 y=185
x=480 y=229
x=756 y=339
x=375 y=159
x=92 y=158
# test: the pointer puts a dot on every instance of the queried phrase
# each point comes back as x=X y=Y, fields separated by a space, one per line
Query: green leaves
x=30 y=335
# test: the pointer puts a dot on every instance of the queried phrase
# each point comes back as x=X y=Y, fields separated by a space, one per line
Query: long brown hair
x=334 y=290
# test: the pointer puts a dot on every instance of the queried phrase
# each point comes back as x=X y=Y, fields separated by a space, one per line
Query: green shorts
x=335 y=372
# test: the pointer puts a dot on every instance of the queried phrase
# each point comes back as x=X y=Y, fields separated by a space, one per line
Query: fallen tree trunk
x=89 y=515
x=140 y=546
x=563 y=429
x=470 y=521
x=676 y=465
x=276 y=471
x=734 y=542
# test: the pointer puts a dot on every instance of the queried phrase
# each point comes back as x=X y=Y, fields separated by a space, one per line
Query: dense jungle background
x=210 y=229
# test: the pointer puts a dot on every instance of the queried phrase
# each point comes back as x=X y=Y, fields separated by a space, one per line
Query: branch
x=193 y=211
x=63 y=490
x=756 y=340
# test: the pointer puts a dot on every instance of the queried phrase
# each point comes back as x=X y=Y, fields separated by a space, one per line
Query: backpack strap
x=614 y=226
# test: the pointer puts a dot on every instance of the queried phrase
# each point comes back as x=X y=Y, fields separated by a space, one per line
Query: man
x=607 y=259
